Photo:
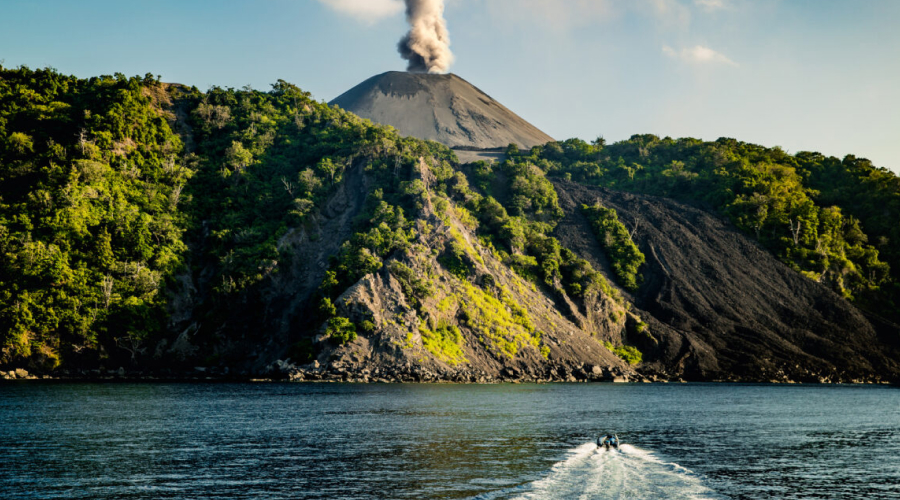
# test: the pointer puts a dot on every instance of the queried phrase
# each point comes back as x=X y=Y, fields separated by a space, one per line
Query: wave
x=590 y=473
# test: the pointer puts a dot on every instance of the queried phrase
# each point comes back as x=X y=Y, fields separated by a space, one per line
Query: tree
x=327 y=308
x=288 y=186
x=329 y=168
x=213 y=115
x=341 y=330
x=599 y=143
x=803 y=214
x=237 y=157
x=309 y=183
x=751 y=212
x=20 y=143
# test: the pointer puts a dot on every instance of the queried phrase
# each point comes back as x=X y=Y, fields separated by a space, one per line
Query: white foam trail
x=629 y=472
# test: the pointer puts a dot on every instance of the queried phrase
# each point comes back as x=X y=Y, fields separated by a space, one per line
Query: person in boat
x=609 y=441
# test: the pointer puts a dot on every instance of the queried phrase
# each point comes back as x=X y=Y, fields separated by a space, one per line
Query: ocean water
x=304 y=441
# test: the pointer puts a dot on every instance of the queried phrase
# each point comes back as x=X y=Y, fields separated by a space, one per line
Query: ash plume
x=427 y=45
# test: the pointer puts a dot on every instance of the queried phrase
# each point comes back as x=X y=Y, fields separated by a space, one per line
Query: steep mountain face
x=441 y=306
x=724 y=308
x=385 y=277
x=450 y=308
x=442 y=108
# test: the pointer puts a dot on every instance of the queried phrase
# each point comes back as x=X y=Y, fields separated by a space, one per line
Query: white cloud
x=367 y=11
x=698 y=55
x=710 y=4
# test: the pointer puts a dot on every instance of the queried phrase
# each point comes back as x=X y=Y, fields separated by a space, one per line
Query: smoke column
x=427 y=45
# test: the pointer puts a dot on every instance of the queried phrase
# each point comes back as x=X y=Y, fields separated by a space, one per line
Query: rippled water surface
x=447 y=441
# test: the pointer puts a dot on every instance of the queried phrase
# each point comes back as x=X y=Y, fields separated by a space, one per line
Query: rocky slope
x=489 y=325
x=509 y=329
x=442 y=108
x=722 y=307
x=717 y=305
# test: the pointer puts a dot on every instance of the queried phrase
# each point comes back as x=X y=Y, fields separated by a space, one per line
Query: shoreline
x=202 y=377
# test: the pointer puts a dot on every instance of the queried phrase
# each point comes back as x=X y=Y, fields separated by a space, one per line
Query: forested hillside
x=836 y=221
x=91 y=214
x=151 y=226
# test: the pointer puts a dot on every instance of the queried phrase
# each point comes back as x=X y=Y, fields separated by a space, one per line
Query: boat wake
x=629 y=472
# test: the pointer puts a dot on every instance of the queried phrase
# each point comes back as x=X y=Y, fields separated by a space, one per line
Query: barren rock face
x=721 y=306
x=442 y=108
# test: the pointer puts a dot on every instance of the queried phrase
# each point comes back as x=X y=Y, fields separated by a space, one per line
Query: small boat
x=608 y=441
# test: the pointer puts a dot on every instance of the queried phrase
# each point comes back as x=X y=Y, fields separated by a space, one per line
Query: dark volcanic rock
x=442 y=108
x=721 y=307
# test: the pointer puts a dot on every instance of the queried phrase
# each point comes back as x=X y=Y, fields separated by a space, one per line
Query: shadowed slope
x=724 y=306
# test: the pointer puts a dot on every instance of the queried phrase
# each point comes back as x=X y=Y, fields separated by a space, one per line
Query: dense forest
x=91 y=219
x=101 y=201
x=129 y=208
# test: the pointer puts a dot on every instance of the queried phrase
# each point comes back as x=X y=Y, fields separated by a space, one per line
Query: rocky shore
x=338 y=372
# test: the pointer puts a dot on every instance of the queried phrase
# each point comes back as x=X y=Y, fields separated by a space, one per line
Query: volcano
x=442 y=108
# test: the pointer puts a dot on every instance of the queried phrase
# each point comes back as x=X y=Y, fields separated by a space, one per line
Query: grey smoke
x=427 y=45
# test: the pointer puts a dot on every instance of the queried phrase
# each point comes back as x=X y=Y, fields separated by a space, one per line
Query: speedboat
x=608 y=441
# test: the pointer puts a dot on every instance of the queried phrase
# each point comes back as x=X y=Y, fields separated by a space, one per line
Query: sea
x=510 y=441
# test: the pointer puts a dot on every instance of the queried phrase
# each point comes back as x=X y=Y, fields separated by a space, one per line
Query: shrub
x=445 y=343
x=327 y=308
x=415 y=288
x=627 y=353
x=501 y=324
x=454 y=260
x=625 y=256
x=341 y=330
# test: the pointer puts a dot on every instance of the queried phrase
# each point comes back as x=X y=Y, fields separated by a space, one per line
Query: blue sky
x=820 y=75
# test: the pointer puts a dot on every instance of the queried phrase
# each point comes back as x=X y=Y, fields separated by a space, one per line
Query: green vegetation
x=501 y=324
x=836 y=221
x=545 y=351
x=455 y=260
x=364 y=253
x=614 y=237
x=638 y=326
x=130 y=209
x=341 y=330
x=91 y=219
x=100 y=200
x=522 y=240
x=445 y=343
x=415 y=288
x=267 y=160
x=627 y=353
